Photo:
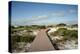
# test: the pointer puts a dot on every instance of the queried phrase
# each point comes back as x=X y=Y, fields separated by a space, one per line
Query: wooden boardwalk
x=41 y=42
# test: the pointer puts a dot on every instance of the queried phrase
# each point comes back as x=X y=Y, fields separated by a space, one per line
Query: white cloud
x=43 y=16
x=34 y=18
x=72 y=11
x=40 y=17
x=58 y=14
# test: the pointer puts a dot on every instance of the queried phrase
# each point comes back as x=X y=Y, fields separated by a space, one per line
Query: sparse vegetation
x=74 y=25
x=61 y=24
x=24 y=34
x=68 y=34
x=16 y=39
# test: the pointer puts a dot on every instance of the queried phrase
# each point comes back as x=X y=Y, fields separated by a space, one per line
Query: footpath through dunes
x=41 y=42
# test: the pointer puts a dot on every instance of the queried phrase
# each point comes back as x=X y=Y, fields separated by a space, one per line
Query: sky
x=28 y=13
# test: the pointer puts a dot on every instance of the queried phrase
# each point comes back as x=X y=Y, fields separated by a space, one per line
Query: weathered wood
x=41 y=42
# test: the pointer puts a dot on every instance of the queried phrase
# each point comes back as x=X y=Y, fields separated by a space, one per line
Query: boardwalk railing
x=54 y=44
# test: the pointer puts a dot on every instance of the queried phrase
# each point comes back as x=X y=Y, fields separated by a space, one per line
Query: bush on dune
x=69 y=34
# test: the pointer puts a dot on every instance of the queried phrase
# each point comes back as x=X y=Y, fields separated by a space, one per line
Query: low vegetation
x=67 y=34
x=24 y=34
x=17 y=39
x=61 y=24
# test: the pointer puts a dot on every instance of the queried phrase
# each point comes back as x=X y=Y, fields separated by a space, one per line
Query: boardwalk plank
x=41 y=42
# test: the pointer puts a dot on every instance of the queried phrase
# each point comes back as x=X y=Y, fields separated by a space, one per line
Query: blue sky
x=26 y=13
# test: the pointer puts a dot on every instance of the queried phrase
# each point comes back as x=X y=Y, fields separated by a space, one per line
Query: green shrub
x=15 y=39
x=61 y=24
x=68 y=34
